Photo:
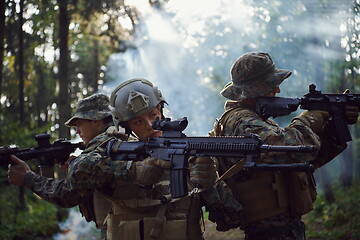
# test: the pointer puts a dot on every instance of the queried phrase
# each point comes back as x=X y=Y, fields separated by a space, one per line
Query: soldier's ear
x=98 y=123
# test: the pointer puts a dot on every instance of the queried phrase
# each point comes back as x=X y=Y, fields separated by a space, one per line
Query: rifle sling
x=158 y=222
x=233 y=170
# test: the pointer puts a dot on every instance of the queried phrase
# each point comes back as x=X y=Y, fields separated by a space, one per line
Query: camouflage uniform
x=93 y=206
x=88 y=172
x=137 y=212
x=268 y=197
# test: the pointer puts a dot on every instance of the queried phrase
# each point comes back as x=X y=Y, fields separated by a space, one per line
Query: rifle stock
x=176 y=147
x=314 y=100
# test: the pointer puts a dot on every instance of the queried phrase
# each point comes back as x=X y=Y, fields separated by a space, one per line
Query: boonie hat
x=94 y=107
x=253 y=74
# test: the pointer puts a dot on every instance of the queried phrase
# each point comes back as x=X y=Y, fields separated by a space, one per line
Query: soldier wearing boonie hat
x=273 y=201
x=95 y=107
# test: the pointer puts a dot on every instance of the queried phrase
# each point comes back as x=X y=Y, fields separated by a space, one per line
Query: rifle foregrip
x=342 y=130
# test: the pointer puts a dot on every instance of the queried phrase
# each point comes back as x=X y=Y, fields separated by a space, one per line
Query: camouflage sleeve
x=246 y=122
x=329 y=149
x=54 y=191
x=87 y=172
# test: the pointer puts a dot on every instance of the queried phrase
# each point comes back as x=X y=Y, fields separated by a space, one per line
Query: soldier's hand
x=17 y=171
x=315 y=119
x=203 y=172
x=149 y=171
x=352 y=114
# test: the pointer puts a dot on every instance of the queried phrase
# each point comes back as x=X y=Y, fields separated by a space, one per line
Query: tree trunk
x=96 y=66
x=20 y=62
x=326 y=185
x=346 y=174
x=64 y=96
x=347 y=167
x=2 y=40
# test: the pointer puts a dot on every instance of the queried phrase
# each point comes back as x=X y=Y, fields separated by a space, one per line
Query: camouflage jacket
x=240 y=119
x=243 y=119
x=89 y=171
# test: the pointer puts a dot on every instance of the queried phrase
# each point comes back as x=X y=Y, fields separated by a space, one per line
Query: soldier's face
x=88 y=129
x=142 y=125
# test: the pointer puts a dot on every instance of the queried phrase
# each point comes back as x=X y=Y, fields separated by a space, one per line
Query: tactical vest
x=96 y=207
x=102 y=207
x=267 y=194
x=141 y=213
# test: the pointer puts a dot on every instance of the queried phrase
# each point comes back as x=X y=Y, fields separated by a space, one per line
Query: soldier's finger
x=204 y=167
x=16 y=160
x=163 y=163
x=351 y=108
x=352 y=114
x=203 y=160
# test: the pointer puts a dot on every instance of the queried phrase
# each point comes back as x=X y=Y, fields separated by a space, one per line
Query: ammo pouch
x=101 y=208
x=302 y=192
x=86 y=208
x=264 y=195
x=145 y=219
x=142 y=229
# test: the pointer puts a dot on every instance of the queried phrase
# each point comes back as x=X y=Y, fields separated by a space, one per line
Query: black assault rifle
x=176 y=147
x=314 y=100
x=46 y=152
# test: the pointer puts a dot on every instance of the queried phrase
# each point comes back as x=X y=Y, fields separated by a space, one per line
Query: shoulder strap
x=101 y=144
x=219 y=124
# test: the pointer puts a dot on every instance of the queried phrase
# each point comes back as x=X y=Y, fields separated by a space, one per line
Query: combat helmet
x=133 y=98
x=253 y=74
x=94 y=107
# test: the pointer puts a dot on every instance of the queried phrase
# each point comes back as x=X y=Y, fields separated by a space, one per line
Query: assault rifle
x=46 y=152
x=314 y=100
x=176 y=147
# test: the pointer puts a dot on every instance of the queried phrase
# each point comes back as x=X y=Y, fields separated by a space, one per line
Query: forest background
x=54 y=53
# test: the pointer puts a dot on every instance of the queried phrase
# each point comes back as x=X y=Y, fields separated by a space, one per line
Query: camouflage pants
x=293 y=231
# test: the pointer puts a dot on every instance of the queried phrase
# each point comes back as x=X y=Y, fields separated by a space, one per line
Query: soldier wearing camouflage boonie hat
x=272 y=213
x=94 y=107
x=253 y=74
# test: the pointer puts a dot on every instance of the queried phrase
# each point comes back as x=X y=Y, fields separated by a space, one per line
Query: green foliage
x=15 y=133
x=38 y=221
x=338 y=220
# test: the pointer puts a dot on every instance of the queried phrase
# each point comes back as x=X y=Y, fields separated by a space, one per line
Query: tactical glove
x=315 y=119
x=149 y=171
x=203 y=172
x=352 y=114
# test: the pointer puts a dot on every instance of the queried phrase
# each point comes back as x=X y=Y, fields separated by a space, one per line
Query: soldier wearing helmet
x=133 y=188
x=89 y=173
x=135 y=105
x=134 y=99
x=273 y=201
